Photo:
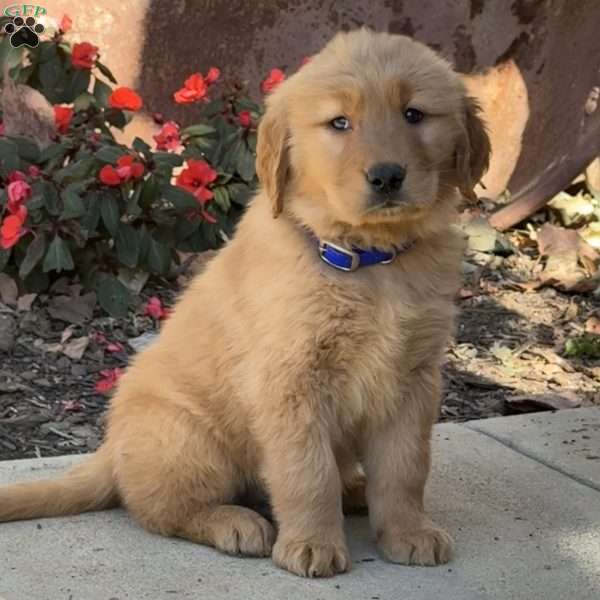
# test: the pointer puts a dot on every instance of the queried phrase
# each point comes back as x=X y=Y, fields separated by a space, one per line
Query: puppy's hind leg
x=176 y=479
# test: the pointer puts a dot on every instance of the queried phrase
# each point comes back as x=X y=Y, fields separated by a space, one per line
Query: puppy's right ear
x=272 y=154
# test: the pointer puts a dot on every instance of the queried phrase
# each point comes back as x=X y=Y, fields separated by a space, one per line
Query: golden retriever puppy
x=312 y=342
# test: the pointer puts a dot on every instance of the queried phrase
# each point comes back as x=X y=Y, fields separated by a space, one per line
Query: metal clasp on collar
x=353 y=256
x=391 y=259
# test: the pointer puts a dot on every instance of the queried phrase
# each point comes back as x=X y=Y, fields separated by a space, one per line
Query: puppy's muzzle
x=386 y=178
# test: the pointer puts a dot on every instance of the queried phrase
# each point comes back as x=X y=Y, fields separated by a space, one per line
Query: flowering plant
x=110 y=214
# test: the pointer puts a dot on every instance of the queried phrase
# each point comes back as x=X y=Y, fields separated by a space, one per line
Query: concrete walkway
x=520 y=494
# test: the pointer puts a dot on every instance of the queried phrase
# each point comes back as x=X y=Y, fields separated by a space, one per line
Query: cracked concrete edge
x=536 y=457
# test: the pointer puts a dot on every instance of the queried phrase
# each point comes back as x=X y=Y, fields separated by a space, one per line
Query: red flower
x=156 y=310
x=127 y=169
x=195 y=88
x=34 y=171
x=110 y=377
x=84 y=55
x=168 y=137
x=65 y=24
x=212 y=75
x=12 y=230
x=245 y=119
x=125 y=98
x=195 y=180
x=109 y=176
x=196 y=177
x=62 y=118
x=18 y=192
x=16 y=176
x=273 y=79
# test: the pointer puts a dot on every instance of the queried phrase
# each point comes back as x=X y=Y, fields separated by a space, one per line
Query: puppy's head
x=375 y=129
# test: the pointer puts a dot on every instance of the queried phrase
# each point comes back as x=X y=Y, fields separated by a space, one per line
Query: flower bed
x=107 y=214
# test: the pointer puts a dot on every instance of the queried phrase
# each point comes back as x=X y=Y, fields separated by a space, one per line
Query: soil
x=507 y=357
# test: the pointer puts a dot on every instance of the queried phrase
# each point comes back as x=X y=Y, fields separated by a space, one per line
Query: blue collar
x=350 y=260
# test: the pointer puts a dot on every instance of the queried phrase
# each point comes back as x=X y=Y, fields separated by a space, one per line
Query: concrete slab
x=523 y=531
x=568 y=440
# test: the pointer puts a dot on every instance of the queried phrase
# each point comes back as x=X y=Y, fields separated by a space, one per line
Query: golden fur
x=277 y=372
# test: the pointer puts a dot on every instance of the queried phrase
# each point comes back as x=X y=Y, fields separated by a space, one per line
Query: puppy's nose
x=386 y=178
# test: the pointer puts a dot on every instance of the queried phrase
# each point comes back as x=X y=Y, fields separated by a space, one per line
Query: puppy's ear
x=272 y=162
x=473 y=150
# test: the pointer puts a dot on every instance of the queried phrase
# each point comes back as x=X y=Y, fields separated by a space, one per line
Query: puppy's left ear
x=272 y=160
x=473 y=150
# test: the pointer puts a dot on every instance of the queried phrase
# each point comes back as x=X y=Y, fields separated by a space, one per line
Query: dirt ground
x=506 y=358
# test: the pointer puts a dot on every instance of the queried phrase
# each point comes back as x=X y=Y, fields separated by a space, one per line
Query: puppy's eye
x=413 y=115
x=340 y=123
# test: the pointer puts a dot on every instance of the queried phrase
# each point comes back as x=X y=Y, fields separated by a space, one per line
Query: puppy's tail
x=86 y=487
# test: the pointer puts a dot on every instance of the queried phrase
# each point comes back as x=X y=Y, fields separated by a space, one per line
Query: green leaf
x=127 y=242
x=199 y=130
x=213 y=108
x=109 y=209
x=134 y=280
x=27 y=148
x=52 y=200
x=51 y=73
x=133 y=207
x=113 y=296
x=110 y=154
x=150 y=192
x=185 y=228
x=140 y=146
x=157 y=256
x=4 y=256
x=55 y=150
x=239 y=193
x=245 y=163
x=221 y=198
x=116 y=118
x=35 y=253
x=166 y=158
x=84 y=101
x=91 y=218
x=77 y=170
x=73 y=205
x=58 y=257
x=245 y=104
x=48 y=51
x=9 y=155
x=77 y=84
x=181 y=199
x=105 y=71
x=102 y=92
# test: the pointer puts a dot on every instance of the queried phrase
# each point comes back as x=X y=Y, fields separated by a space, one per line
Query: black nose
x=386 y=178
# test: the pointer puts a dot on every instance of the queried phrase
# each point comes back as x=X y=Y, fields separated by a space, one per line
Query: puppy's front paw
x=314 y=558
x=426 y=547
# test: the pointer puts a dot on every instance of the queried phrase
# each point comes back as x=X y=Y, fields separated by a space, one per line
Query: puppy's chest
x=373 y=336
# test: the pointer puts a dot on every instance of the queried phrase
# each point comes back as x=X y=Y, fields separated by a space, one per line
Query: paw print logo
x=24 y=32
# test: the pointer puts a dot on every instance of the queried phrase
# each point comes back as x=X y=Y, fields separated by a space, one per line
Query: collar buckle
x=353 y=256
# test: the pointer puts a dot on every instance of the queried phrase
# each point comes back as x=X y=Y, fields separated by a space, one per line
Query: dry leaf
x=73 y=309
x=564 y=249
x=8 y=290
x=67 y=334
x=25 y=302
x=76 y=348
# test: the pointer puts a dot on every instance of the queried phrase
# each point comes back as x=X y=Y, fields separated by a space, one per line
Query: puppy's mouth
x=390 y=203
